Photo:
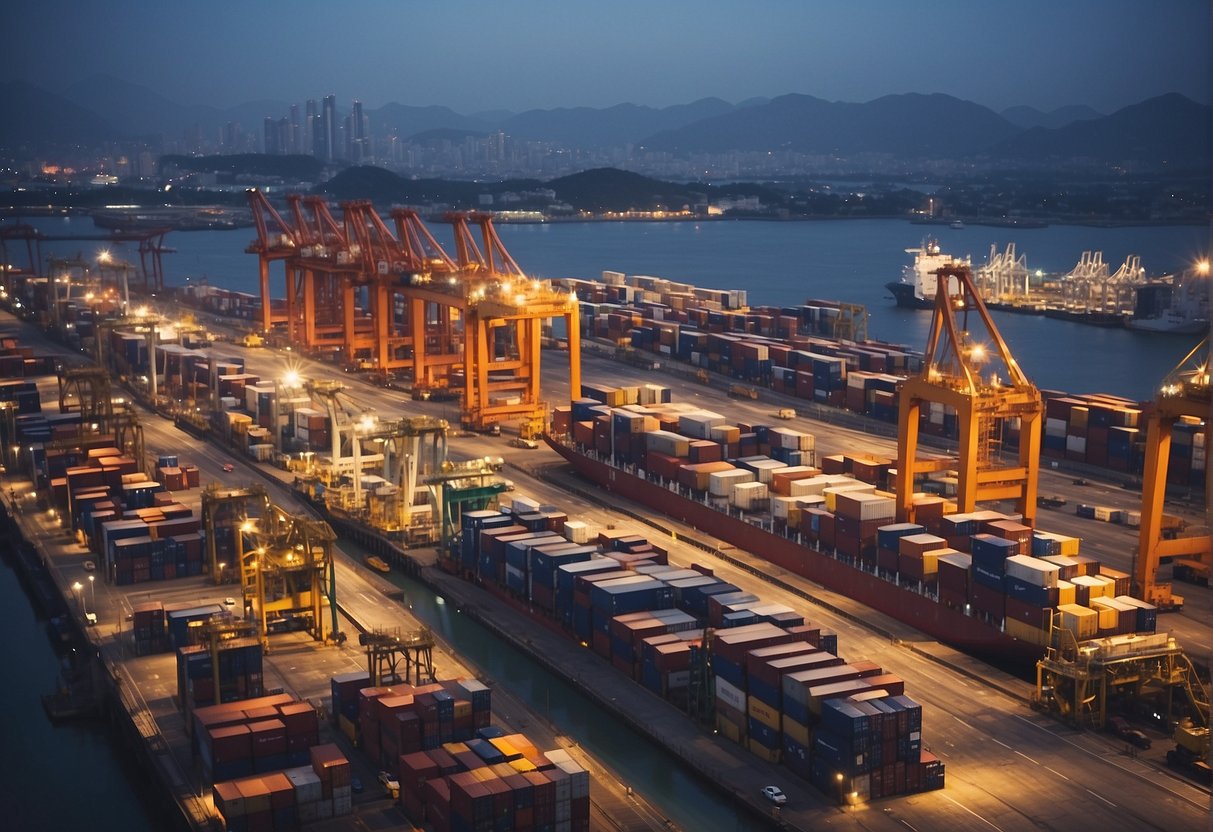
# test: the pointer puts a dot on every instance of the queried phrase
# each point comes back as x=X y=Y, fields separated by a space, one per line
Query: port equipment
x=150 y=246
x=285 y=561
x=1183 y=396
x=385 y=648
x=212 y=633
x=276 y=241
x=469 y=485
x=469 y=326
x=1078 y=681
x=960 y=370
x=87 y=390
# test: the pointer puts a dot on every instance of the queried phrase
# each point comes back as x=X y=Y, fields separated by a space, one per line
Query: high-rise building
x=270 y=137
x=293 y=141
x=326 y=136
x=309 y=129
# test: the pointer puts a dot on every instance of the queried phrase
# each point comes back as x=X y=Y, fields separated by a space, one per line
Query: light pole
x=76 y=588
x=92 y=590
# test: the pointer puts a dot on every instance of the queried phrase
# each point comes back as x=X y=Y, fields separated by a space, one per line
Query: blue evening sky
x=475 y=55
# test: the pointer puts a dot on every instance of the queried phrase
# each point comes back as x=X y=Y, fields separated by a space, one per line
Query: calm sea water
x=786 y=263
x=55 y=777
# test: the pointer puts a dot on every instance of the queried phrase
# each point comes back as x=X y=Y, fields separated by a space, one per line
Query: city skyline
x=474 y=57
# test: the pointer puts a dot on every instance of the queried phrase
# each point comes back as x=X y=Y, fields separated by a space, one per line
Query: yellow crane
x=968 y=367
x=1184 y=394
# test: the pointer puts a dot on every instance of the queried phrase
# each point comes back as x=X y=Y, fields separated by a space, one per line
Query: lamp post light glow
x=92 y=590
x=76 y=588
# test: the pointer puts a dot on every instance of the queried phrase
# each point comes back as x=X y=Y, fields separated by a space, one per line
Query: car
x=1119 y=726
x=90 y=618
x=530 y=444
x=228 y=467
x=229 y=601
x=356 y=784
x=775 y=795
x=1081 y=481
x=89 y=565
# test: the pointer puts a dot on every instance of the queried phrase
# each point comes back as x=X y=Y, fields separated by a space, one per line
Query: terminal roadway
x=1008 y=768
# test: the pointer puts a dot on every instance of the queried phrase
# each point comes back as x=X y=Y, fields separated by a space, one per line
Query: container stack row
x=252 y=736
x=284 y=801
x=495 y=781
x=386 y=722
x=134 y=525
x=649 y=620
x=790 y=350
x=232 y=673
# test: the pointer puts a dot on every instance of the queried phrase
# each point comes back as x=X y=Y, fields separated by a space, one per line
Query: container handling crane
x=952 y=375
x=1184 y=395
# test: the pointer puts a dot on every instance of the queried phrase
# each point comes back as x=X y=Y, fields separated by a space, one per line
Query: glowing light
x=1202 y=267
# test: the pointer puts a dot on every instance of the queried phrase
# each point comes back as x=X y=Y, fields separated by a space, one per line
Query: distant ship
x=188 y=218
x=1183 y=308
x=916 y=289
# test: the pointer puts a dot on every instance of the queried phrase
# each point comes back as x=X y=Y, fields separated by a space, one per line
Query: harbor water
x=74 y=775
x=786 y=263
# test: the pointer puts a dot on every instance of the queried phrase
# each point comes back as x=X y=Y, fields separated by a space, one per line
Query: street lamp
x=76 y=588
x=92 y=590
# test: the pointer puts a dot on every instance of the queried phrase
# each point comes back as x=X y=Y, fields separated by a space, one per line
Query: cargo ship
x=948 y=625
x=981 y=581
x=916 y=288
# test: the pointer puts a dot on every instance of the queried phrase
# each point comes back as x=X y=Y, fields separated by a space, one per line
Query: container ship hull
x=906 y=296
x=941 y=622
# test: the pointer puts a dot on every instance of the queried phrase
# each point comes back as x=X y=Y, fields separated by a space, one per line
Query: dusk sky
x=475 y=55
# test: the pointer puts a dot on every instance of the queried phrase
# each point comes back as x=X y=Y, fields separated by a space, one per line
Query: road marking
x=1026 y=757
x=1104 y=799
x=907 y=824
x=1058 y=773
x=1003 y=744
x=971 y=812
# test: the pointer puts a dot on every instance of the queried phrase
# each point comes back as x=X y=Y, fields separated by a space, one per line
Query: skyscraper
x=309 y=129
x=326 y=135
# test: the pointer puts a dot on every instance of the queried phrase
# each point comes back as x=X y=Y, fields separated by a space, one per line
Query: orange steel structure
x=391 y=299
x=952 y=375
x=1184 y=394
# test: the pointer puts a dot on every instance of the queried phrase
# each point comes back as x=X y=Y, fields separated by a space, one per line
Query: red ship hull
x=941 y=622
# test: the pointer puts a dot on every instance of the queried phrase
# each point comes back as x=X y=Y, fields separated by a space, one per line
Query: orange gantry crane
x=396 y=301
x=961 y=369
x=1184 y=395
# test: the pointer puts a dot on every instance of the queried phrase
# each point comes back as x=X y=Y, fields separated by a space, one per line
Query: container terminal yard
x=1008 y=764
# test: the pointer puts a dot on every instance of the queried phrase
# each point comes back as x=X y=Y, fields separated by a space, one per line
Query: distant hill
x=34 y=117
x=608 y=189
x=137 y=110
x=1028 y=117
x=612 y=126
x=909 y=125
x=1169 y=130
x=408 y=121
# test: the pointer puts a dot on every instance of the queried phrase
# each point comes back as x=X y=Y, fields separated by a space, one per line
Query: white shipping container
x=721 y=483
x=1055 y=427
x=1033 y=570
x=728 y=693
x=699 y=424
x=577 y=531
x=1076 y=444
x=749 y=495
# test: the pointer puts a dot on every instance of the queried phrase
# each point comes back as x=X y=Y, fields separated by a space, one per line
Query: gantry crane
x=276 y=240
x=952 y=374
x=285 y=562
x=503 y=330
x=1183 y=395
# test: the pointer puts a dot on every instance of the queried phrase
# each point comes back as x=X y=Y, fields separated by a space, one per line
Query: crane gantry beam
x=1184 y=393
x=952 y=375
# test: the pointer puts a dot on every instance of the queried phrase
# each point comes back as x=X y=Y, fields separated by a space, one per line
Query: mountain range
x=1167 y=132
